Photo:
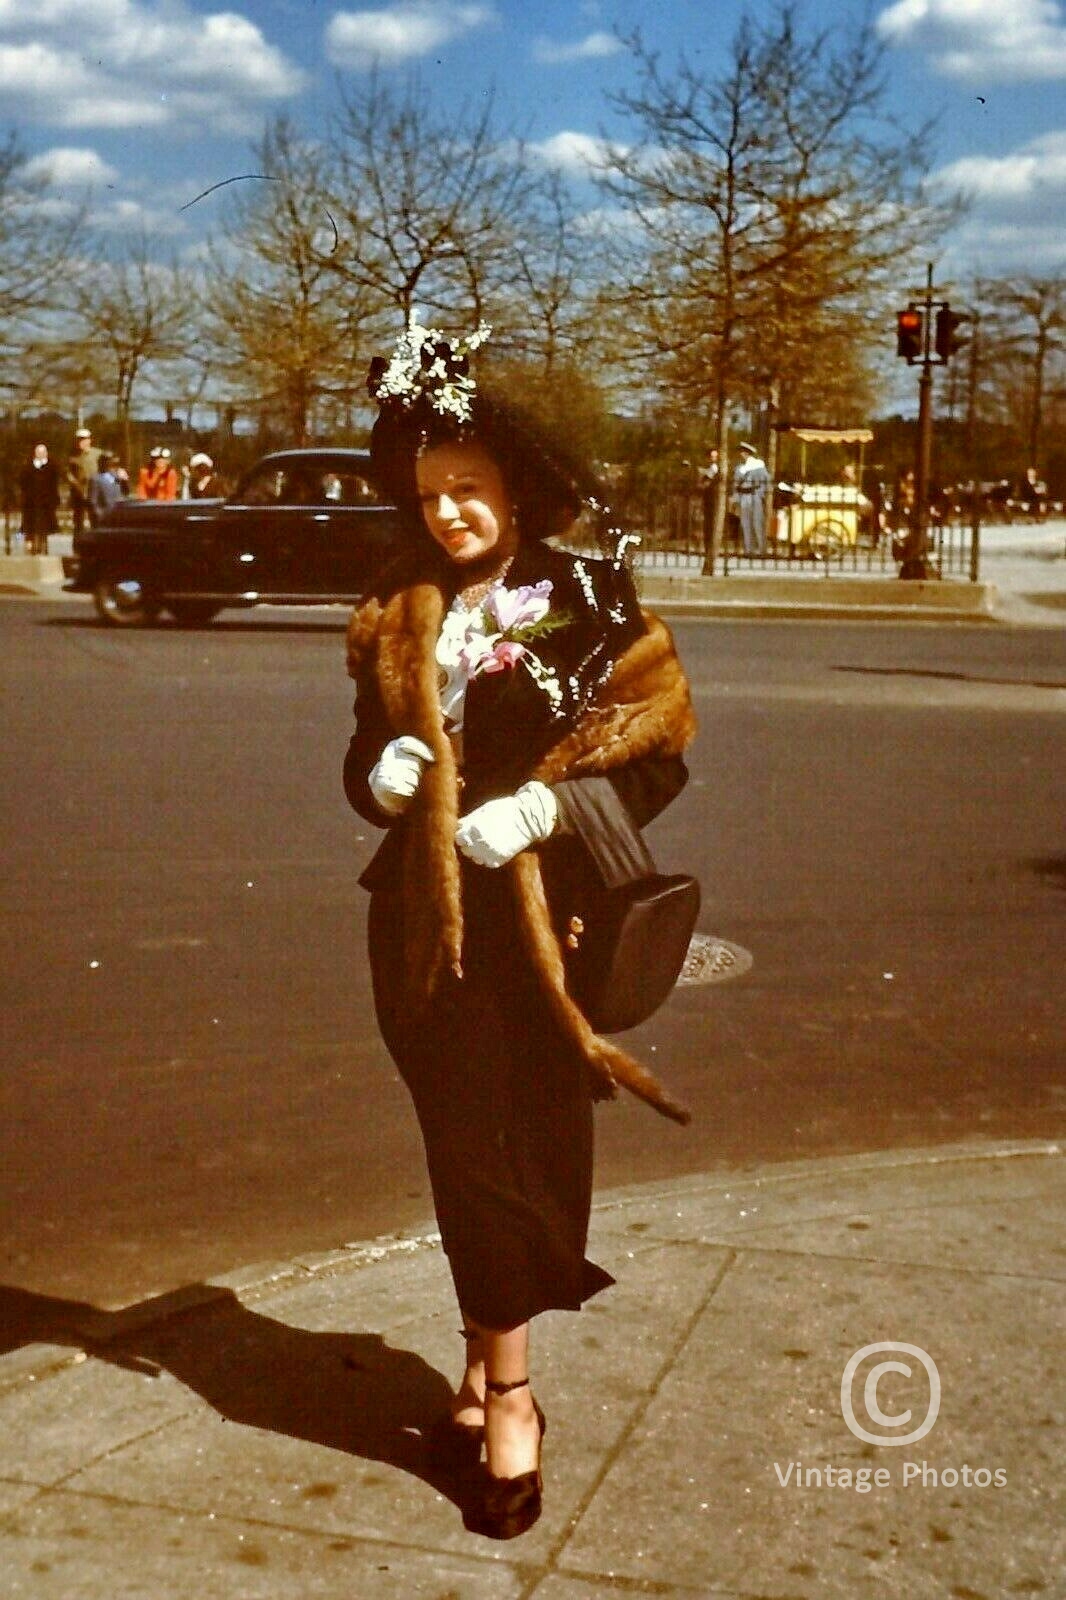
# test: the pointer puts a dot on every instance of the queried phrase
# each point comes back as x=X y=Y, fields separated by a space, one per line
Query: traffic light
x=910 y=326
x=948 y=339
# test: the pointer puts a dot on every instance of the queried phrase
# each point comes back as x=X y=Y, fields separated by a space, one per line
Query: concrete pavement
x=258 y=1437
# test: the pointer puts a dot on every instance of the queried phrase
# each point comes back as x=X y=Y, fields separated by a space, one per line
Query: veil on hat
x=427 y=395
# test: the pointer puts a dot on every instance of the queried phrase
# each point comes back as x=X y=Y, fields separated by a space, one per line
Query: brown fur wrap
x=644 y=709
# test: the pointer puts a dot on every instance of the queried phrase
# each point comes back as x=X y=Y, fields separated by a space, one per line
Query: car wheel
x=192 y=613
x=124 y=603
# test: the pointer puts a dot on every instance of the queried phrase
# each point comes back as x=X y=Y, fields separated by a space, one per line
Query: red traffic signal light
x=948 y=339
x=910 y=327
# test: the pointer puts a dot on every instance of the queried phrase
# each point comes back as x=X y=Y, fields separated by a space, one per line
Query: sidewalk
x=257 y=1438
x=1023 y=582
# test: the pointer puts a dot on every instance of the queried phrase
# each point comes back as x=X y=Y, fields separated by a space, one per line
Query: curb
x=31 y=569
x=865 y=599
x=36 y=1363
x=753 y=611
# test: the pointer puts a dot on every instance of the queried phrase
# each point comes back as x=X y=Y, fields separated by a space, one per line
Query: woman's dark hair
x=547 y=488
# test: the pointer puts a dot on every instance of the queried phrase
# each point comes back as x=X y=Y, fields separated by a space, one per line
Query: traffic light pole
x=915 y=562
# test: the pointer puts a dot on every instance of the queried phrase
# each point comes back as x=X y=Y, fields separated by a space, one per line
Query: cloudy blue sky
x=151 y=101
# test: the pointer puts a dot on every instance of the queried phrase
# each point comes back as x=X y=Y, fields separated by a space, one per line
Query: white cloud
x=999 y=40
x=981 y=249
x=1016 y=201
x=605 y=223
x=1034 y=175
x=130 y=216
x=575 y=153
x=401 y=32
x=593 y=47
x=68 y=167
x=137 y=63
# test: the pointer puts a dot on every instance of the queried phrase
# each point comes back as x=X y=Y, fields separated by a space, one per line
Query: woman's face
x=465 y=502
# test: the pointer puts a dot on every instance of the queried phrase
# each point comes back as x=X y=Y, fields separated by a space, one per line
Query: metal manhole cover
x=711 y=960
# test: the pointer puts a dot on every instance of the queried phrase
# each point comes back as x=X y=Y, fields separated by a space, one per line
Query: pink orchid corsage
x=510 y=618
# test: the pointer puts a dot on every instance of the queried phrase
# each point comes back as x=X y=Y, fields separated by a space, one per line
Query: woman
x=511 y=701
x=201 y=481
x=39 y=491
x=158 y=479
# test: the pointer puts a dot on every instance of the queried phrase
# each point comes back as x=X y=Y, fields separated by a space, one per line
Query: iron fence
x=817 y=529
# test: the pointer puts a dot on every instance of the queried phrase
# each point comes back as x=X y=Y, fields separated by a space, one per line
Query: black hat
x=428 y=397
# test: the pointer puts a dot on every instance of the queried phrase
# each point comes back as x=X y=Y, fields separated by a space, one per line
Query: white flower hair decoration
x=427 y=365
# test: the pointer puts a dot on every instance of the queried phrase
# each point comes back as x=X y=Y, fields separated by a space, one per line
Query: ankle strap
x=505 y=1388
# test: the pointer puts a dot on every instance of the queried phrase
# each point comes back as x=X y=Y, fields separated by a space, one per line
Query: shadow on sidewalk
x=951 y=677
x=351 y=1392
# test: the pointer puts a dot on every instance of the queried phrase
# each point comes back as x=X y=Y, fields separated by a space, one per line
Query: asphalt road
x=192 y=1078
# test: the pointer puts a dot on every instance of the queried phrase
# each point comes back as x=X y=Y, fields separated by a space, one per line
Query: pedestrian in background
x=903 y=501
x=106 y=489
x=39 y=496
x=709 y=477
x=157 y=479
x=751 y=481
x=82 y=467
x=200 y=481
x=1033 y=494
x=877 y=513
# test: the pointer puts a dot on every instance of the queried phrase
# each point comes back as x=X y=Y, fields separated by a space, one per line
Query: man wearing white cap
x=750 y=484
x=82 y=467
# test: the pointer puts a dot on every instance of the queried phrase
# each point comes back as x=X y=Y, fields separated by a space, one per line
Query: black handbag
x=624 y=927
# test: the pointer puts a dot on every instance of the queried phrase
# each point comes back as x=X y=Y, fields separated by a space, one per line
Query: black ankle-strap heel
x=509 y=1506
x=519 y=1383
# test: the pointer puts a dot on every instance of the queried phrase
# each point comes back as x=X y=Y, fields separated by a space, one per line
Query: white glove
x=398 y=772
x=495 y=832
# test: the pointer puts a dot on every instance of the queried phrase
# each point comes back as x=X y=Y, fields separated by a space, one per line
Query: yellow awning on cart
x=832 y=435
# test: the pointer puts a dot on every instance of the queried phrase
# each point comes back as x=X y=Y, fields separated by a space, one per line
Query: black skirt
x=504 y=1108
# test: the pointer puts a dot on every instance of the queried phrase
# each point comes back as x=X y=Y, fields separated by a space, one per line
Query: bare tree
x=771 y=204
x=126 y=315
x=1026 y=323
x=428 y=205
x=548 y=283
x=284 y=328
x=39 y=238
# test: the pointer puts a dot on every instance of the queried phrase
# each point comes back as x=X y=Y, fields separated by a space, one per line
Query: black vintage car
x=304 y=527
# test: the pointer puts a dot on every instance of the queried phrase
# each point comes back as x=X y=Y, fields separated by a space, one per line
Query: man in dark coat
x=39 y=491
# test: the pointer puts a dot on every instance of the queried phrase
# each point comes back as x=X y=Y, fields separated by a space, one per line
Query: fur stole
x=643 y=709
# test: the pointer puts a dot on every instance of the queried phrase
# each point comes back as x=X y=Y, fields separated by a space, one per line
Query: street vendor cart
x=822 y=518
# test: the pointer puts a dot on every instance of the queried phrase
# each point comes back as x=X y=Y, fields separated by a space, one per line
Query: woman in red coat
x=157 y=480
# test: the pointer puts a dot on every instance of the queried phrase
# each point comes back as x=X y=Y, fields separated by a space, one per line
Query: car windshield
x=305 y=483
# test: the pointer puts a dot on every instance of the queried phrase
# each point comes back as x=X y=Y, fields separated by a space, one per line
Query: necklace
x=473 y=593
